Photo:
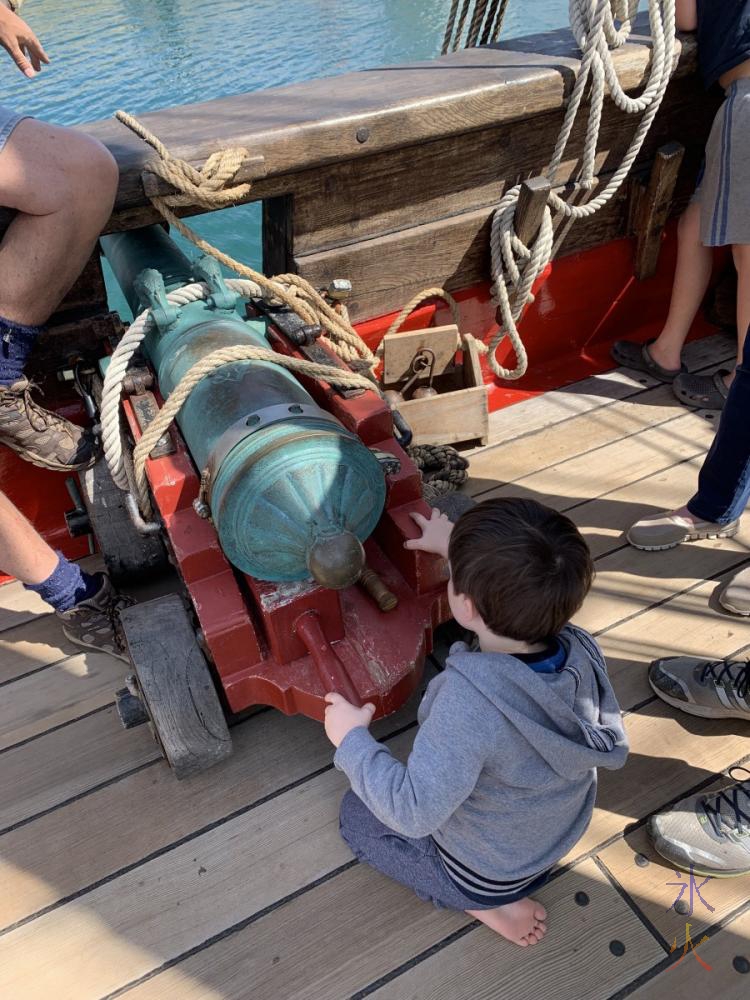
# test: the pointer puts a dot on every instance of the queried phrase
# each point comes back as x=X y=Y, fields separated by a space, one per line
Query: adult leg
x=23 y=552
x=723 y=482
x=86 y=603
x=691 y=278
x=741 y=255
x=661 y=358
x=62 y=184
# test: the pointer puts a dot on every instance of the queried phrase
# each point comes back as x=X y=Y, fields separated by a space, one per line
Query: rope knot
x=210 y=187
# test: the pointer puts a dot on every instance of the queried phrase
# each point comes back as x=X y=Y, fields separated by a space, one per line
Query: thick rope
x=515 y=267
x=442 y=468
x=424 y=296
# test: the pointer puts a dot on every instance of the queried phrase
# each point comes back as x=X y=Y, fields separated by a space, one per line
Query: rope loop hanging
x=515 y=267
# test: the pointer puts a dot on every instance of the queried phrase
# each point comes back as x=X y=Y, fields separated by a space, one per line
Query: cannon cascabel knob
x=336 y=561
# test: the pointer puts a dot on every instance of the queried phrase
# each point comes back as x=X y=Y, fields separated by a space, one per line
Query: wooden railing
x=389 y=176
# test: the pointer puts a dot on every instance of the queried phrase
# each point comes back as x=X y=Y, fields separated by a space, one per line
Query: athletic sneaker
x=735 y=597
x=665 y=531
x=709 y=832
x=712 y=689
x=95 y=623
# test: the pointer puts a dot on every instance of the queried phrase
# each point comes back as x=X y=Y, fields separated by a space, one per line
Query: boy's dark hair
x=526 y=567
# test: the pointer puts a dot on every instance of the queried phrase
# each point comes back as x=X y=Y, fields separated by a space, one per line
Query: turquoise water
x=145 y=54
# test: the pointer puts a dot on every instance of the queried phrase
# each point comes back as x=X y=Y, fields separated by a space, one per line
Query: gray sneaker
x=95 y=623
x=735 y=597
x=712 y=689
x=709 y=832
x=665 y=531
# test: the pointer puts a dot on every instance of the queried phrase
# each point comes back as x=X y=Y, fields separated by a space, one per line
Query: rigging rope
x=487 y=18
x=515 y=266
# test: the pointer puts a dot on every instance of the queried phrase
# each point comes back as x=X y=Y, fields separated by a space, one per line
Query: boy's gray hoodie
x=503 y=770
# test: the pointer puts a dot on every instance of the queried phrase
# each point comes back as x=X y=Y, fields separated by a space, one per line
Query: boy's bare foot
x=522 y=922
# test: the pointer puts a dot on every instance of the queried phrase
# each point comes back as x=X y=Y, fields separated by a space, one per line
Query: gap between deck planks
x=647 y=733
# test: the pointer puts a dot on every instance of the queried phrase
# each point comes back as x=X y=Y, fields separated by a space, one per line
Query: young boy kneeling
x=501 y=781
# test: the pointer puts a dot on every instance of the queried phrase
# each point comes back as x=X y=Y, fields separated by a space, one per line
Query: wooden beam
x=653 y=208
x=359 y=199
x=532 y=201
x=308 y=125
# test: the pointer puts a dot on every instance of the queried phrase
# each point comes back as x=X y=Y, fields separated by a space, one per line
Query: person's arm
x=687 y=15
x=19 y=41
x=417 y=798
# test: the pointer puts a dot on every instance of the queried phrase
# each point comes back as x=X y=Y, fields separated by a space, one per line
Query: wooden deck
x=115 y=880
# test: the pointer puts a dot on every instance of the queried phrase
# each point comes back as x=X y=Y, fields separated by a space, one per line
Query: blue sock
x=16 y=341
x=67 y=585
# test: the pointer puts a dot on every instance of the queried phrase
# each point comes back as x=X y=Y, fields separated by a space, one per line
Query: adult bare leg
x=692 y=275
x=86 y=604
x=23 y=552
x=62 y=184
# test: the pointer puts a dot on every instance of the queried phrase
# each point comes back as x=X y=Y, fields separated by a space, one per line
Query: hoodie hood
x=569 y=720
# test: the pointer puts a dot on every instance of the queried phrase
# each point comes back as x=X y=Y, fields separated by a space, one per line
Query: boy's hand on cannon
x=436 y=533
x=20 y=42
x=342 y=717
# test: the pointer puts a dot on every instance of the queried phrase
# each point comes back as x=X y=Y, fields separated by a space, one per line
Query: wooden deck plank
x=610 y=466
x=67 y=762
x=18 y=606
x=656 y=886
x=330 y=942
x=102 y=833
x=28 y=647
x=628 y=581
x=548 y=409
x=68 y=689
x=287 y=843
x=687 y=978
x=345 y=935
x=131 y=925
x=575 y=960
x=607 y=426
x=687 y=625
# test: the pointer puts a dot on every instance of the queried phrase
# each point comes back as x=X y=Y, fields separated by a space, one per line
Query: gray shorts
x=724 y=190
x=414 y=863
x=8 y=121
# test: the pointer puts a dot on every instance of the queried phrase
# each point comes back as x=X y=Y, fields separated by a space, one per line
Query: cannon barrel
x=293 y=493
